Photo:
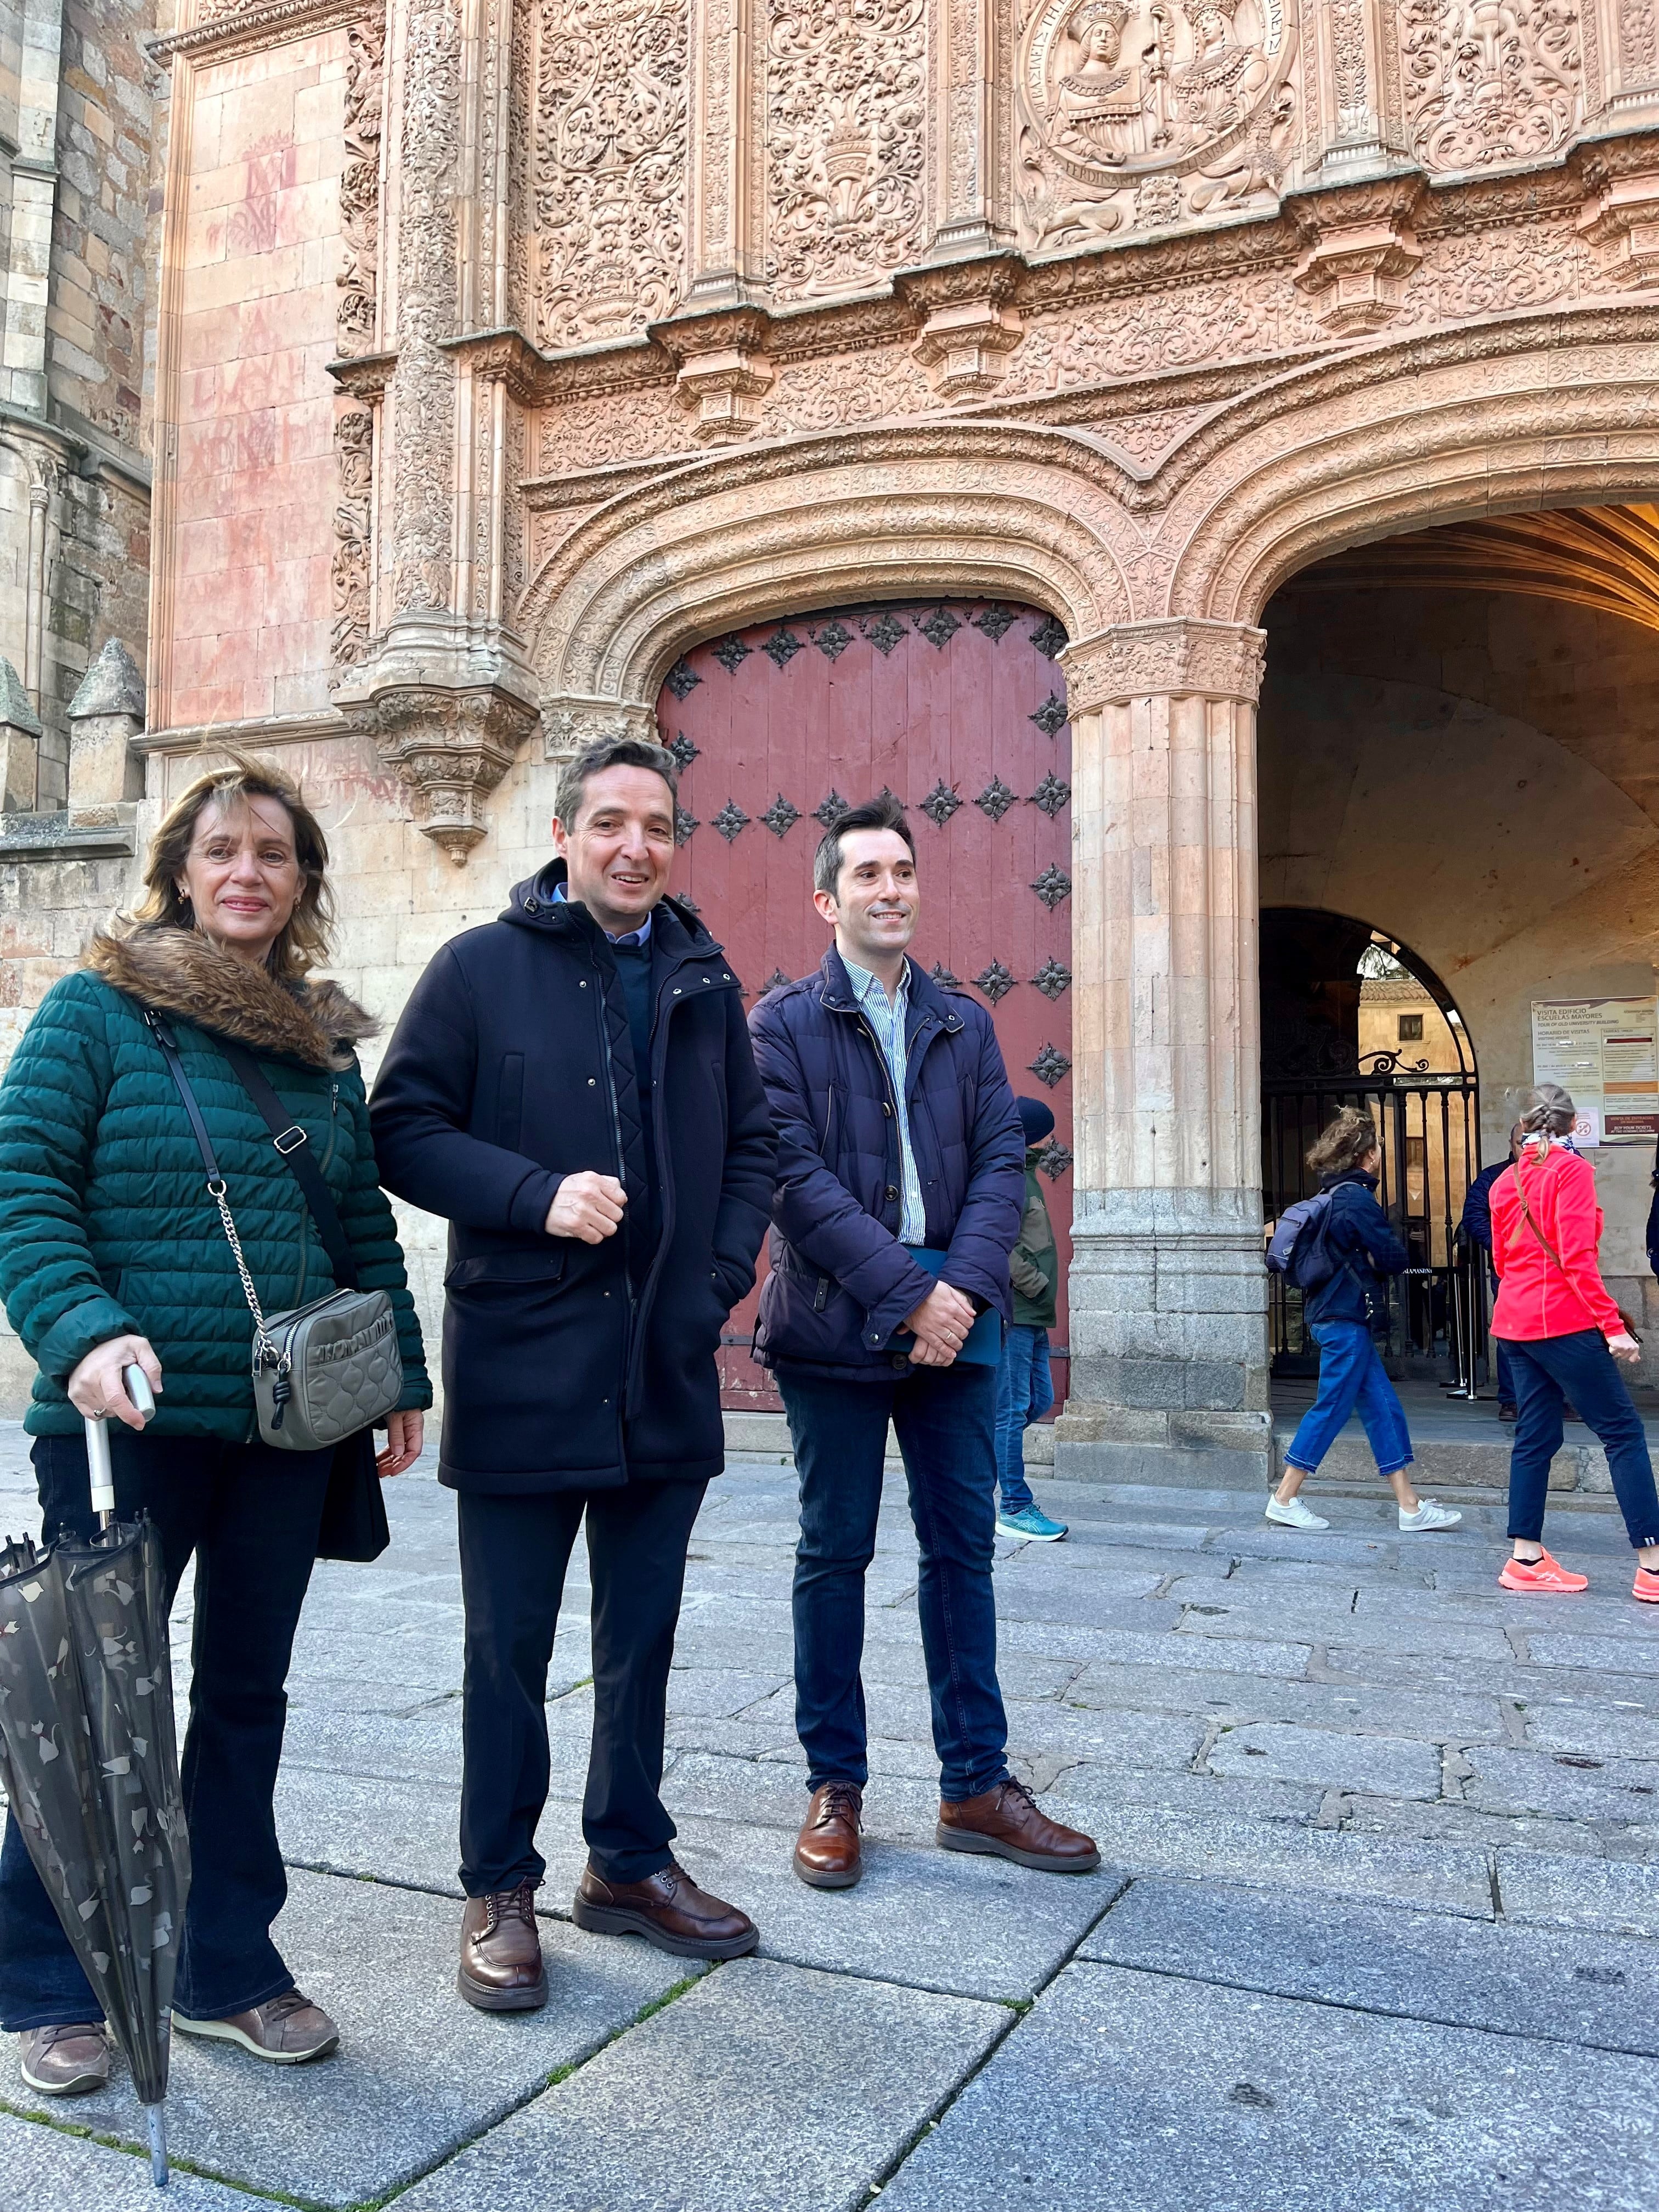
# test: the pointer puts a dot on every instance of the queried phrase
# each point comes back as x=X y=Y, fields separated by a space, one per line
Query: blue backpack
x=1298 y=1249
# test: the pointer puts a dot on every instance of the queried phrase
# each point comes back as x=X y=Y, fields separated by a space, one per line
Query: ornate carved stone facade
x=654 y=318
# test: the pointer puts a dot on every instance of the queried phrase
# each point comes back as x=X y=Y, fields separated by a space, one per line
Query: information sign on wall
x=1605 y=1053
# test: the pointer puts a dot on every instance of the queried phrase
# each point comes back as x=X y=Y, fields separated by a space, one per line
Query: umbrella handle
x=136 y=1383
x=103 y=1478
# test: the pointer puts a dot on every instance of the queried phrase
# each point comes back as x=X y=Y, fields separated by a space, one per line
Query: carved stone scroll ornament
x=1488 y=81
x=359 y=188
x=450 y=748
x=356 y=316
x=846 y=98
x=568 y=724
x=1177 y=658
x=1135 y=113
x=349 y=571
x=610 y=166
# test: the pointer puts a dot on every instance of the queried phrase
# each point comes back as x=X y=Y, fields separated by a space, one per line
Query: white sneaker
x=1429 y=1515
x=1293 y=1515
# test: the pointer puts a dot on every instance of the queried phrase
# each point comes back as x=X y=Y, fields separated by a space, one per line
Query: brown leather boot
x=1006 y=1823
x=827 y=1851
x=501 y=1968
x=668 y=1910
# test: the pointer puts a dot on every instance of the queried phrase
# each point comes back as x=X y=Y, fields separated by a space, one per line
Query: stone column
x=435 y=674
x=728 y=134
x=1167 y=1292
x=970 y=137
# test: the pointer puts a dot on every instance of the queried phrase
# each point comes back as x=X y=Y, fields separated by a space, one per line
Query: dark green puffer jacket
x=105 y=1224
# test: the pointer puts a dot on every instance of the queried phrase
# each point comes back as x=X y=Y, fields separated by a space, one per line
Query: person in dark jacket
x=573 y=1086
x=112 y=1256
x=1025 y=1390
x=899 y=1192
x=1341 y=1315
x=1476 y=1225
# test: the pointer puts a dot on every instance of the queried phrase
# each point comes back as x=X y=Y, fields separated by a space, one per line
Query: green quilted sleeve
x=366 y=1214
x=52 y=1102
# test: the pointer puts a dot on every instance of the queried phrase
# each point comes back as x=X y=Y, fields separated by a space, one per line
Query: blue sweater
x=1357 y=1231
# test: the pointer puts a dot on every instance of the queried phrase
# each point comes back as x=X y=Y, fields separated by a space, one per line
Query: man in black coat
x=572 y=1086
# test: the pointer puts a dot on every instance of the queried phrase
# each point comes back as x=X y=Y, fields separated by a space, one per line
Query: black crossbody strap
x=290 y=1140
x=169 y=1045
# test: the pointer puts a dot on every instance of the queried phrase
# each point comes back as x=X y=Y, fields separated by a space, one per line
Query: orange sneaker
x=1543 y=1573
x=1646 y=1585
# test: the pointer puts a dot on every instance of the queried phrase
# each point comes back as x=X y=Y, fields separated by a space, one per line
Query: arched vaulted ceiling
x=1604 y=557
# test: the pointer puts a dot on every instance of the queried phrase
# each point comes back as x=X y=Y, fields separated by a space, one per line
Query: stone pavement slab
x=1617 y=1895
x=418 y=2072
x=764 y=2089
x=1392 y=1766
x=1573 y=1784
x=49 y=2169
x=1145 y=1839
x=1591 y=1989
x=1151 y=2094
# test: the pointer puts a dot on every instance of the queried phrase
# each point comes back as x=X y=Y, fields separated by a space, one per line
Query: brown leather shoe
x=668 y=1910
x=65 y=2062
x=287 y=2031
x=827 y=1850
x=1008 y=1823
x=501 y=1968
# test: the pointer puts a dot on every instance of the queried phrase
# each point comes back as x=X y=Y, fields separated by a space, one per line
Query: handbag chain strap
x=265 y=1351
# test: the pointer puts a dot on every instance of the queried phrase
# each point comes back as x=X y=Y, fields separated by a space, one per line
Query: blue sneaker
x=1035 y=1526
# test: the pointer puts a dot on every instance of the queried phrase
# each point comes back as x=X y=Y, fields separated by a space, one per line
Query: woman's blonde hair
x=1547 y=1110
x=1343 y=1143
x=305 y=940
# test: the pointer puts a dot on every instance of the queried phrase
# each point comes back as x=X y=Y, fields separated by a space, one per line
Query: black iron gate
x=1428 y=1128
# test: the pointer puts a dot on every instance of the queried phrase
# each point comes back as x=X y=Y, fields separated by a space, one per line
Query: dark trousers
x=250 y=1515
x=1548 y=1370
x=514 y=1551
x=945 y=1418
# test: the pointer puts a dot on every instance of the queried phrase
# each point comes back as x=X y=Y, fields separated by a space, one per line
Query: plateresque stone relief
x=610 y=165
x=1135 y=117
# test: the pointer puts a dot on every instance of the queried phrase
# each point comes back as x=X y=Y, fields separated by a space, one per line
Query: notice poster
x=1606 y=1052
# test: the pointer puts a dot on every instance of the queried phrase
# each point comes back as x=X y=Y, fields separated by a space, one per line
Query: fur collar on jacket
x=179 y=973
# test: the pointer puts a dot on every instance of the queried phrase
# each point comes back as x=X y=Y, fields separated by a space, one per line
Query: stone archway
x=1159 y=577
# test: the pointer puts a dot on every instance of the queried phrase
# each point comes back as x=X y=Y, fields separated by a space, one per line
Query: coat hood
x=532 y=906
x=177 y=972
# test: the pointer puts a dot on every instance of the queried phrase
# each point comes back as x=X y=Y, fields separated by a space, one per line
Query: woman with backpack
x=113 y=1254
x=1563 y=1334
x=1339 y=1313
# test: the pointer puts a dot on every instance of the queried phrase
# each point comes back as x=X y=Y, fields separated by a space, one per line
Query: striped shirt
x=887 y=1017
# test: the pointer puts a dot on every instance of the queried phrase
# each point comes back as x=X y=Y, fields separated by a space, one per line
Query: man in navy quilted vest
x=900 y=1180
x=572 y=1086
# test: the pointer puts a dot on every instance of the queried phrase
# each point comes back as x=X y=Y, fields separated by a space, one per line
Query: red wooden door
x=958 y=708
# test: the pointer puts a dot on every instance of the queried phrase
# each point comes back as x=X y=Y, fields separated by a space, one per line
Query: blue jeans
x=251 y=1515
x=1024 y=1392
x=1547 y=1370
x=945 y=1419
x=1351 y=1377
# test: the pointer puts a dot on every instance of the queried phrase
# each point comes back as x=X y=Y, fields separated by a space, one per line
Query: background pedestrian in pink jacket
x=1563 y=1332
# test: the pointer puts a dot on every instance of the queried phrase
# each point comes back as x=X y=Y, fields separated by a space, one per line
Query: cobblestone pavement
x=1381 y=1849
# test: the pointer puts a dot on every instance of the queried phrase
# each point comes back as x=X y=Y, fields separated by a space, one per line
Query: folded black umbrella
x=90 y=1763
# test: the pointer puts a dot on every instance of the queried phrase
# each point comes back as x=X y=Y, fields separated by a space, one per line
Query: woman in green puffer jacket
x=112 y=1252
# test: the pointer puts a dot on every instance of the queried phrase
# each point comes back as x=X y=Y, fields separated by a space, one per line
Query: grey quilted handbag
x=321 y=1371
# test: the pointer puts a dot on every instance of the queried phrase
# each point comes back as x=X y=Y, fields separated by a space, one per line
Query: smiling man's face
x=875 y=904
x=619 y=850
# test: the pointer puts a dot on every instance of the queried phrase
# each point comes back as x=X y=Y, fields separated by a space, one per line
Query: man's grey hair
x=883 y=813
x=610 y=752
